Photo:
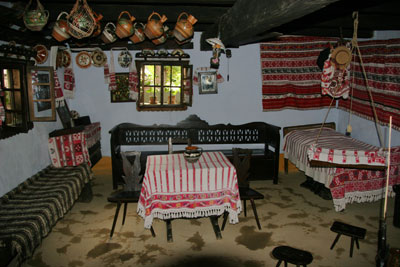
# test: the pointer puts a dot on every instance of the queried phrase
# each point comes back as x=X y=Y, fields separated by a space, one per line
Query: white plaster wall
x=238 y=100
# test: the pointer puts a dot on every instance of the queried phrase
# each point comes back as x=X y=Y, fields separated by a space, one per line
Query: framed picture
x=208 y=82
x=121 y=94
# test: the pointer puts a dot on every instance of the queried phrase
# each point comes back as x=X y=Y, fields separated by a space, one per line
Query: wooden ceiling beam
x=249 y=18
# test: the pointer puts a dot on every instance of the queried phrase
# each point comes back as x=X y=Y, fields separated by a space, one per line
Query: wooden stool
x=292 y=255
x=125 y=197
x=346 y=229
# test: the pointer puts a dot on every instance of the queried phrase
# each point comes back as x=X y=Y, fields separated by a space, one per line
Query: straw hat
x=341 y=57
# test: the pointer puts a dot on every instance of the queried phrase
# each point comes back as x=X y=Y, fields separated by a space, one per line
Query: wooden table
x=173 y=188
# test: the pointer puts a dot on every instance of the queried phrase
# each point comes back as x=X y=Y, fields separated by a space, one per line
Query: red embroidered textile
x=174 y=188
x=290 y=74
x=357 y=185
x=69 y=83
x=381 y=60
x=68 y=150
x=73 y=149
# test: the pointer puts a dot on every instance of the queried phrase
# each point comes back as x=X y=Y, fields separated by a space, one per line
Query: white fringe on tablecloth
x=188 y=213
x=360 y=197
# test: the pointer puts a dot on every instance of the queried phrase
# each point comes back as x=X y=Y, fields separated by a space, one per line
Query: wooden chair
x=241 y=161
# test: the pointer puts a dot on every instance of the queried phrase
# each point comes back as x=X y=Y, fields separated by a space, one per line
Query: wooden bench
x=346 y=229
x=264 y=162
x=28 y=212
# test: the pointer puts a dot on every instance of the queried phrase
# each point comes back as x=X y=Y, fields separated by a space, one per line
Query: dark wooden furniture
x=264 y=162
x=292 y=255
x=346 y=229
x=124 y=197
x=241 y=161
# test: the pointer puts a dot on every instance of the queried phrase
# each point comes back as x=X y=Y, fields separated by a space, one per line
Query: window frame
x=25 y=125
x=186 y=85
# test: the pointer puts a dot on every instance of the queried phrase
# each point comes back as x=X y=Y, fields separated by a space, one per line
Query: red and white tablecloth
x=73 y=149
x=347 y=185
x=173 y=188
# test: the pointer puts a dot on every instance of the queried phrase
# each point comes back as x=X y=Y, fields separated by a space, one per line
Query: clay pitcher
x=60 y=29
x=124 y=25
x=184 y=27
x=108 y=35
x=138 y=36
x=154 y=27
x=97 y=29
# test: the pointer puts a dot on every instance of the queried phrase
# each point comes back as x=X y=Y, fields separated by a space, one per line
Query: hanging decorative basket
x=81 y=21
x=35 y=19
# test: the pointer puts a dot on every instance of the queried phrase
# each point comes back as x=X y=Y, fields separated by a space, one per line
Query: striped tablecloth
x=173 y=188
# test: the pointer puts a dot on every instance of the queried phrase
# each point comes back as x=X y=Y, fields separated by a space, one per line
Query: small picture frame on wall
x=208 y=82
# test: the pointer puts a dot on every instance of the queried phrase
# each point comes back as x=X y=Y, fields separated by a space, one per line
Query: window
x=14 y=99
x=41 y=94
x=164 y=85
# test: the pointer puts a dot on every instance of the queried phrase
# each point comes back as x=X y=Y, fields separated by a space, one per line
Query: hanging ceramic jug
x=35 y=19
x=81 y=22
x=60 y=29
x=124 y=25
x=154 y=27
x=108 y=35
x=97 y=29
x=184 y=27
x=162 y=38
x=138 y=35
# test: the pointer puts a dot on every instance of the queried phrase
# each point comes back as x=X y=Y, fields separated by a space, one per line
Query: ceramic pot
x=162 y=38
x=60 y=29
x=184 y=27
x=97 y=29
x=108 y=35
x=154 y=26
x=138 y=35
x=36 y=19
x=124 y=25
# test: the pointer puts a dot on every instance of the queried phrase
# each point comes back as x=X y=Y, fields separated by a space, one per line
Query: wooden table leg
x=169 y=231
x=214 y=223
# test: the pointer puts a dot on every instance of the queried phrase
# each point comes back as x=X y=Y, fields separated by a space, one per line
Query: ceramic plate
x=83 y=60
x=99 y=58
x=124 y=59
x=66 y=59
x=41 y=53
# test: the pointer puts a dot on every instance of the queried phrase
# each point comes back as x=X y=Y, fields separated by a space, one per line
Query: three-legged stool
x=125 y=197
x=292 y=255
x=346 y=229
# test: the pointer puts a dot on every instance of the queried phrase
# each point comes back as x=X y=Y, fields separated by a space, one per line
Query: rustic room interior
x=84 y=81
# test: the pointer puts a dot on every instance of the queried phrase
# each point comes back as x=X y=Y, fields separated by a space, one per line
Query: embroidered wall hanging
x=290 y=74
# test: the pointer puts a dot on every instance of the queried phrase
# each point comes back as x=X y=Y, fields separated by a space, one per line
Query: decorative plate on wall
x=99 y=58
x=124 y=59
x=41 y=53
x=83 y=60
x=66 y=59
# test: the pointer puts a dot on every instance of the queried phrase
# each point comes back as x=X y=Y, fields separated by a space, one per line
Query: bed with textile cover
x=28 y=212
x=355 y=171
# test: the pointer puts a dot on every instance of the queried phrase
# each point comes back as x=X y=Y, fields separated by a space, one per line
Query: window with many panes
x=164 y=85
x=13 y=97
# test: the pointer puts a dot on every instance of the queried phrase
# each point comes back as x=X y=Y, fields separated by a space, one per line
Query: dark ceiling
x=237 y=22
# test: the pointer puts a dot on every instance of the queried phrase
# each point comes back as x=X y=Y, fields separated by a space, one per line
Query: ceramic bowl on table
x=192 y=153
